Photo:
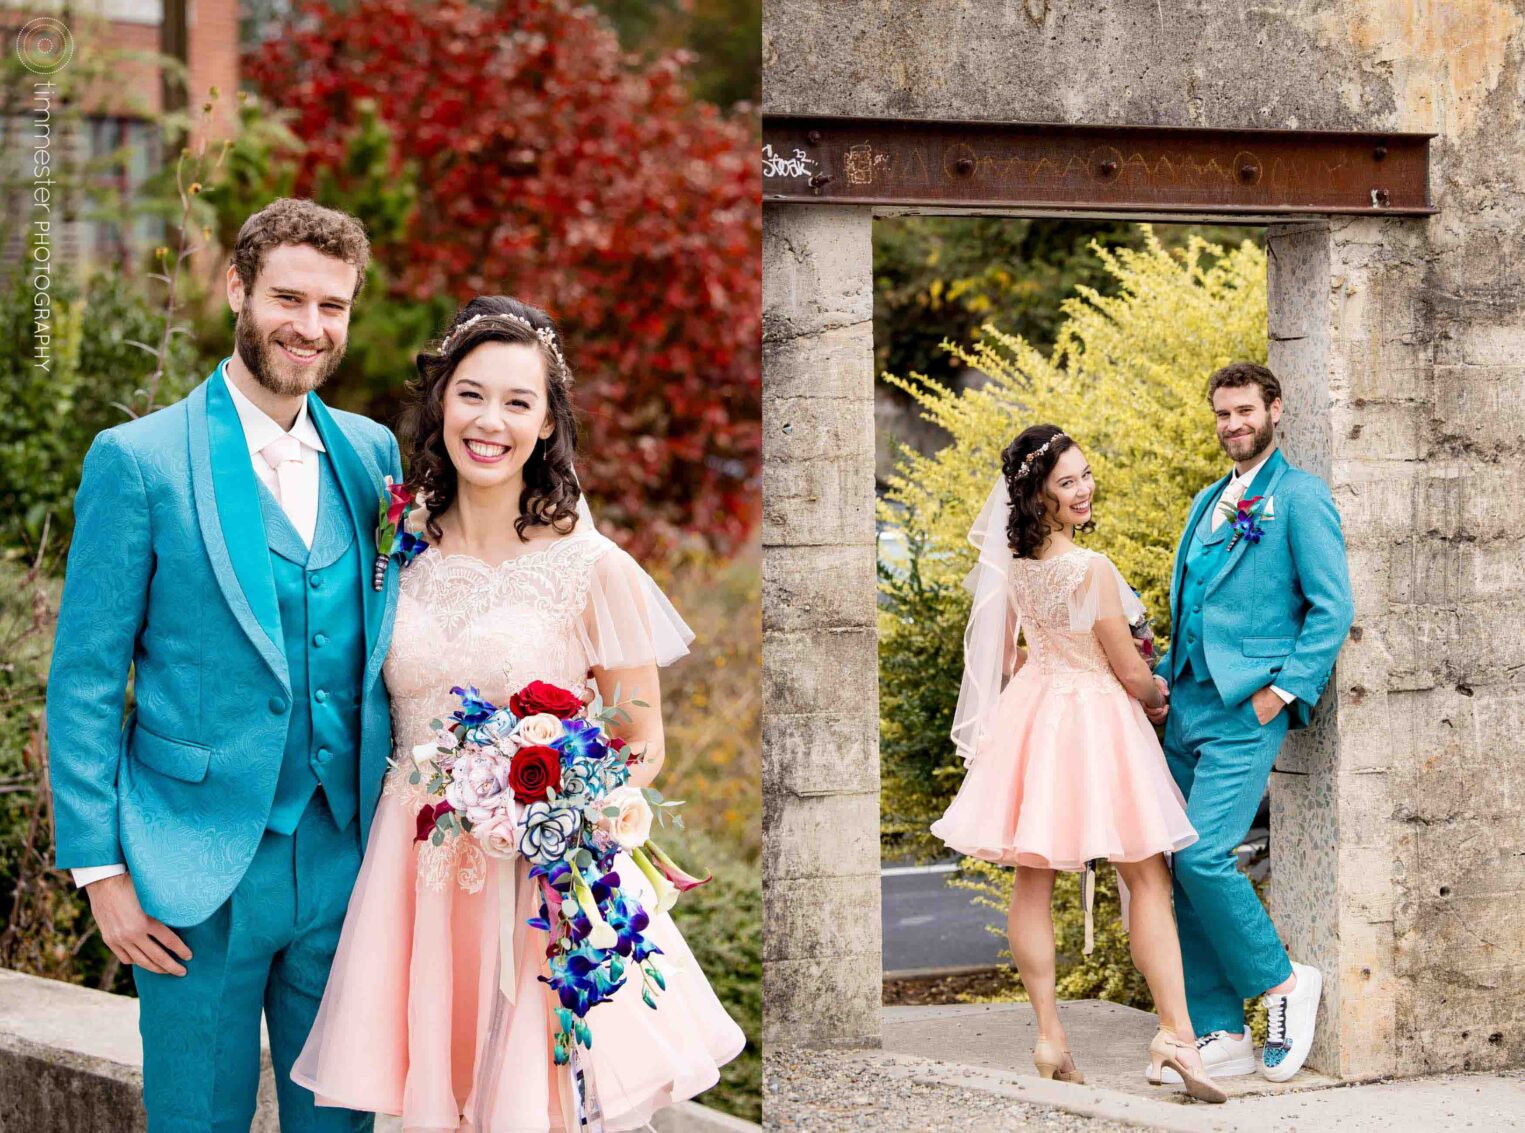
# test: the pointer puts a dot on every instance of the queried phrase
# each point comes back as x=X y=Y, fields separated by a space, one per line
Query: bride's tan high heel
x=1164 y=1050
x=1049 y=1060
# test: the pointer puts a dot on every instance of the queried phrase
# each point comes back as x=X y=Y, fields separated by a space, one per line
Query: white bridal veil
x=993 y=623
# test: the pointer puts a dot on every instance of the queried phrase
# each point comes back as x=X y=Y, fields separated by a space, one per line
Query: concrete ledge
x=71 y=1061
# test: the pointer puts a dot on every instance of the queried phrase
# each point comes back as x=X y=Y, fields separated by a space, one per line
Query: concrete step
x=71 y=1062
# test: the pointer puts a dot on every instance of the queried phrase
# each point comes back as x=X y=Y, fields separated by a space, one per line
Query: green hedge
x=722 y=923
x=48 y=417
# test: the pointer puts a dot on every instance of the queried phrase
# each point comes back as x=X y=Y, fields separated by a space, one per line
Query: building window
x=125 y=153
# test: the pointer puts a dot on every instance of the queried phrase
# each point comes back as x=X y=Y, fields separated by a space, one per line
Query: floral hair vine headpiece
x=545 y=334
x=1035 y=454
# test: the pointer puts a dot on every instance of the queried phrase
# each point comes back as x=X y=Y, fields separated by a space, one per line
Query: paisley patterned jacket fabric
x=165 y=578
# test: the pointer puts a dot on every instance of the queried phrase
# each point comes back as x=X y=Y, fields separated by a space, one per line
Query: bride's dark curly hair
x=550 y=494
x=1030 y=525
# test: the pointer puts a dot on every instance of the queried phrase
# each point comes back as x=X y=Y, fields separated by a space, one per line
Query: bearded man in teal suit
x=223 y=551
x=1260 y=605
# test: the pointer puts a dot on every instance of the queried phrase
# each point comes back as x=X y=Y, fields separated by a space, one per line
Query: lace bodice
x=546 y=615
x=1047 y=593
x=461 y=621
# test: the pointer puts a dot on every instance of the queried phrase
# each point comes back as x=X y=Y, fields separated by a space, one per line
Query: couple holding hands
x=249 y=838
x=1064 y=766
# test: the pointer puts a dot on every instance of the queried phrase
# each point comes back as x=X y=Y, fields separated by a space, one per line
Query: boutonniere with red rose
x=391 y=539
x=1245 y=517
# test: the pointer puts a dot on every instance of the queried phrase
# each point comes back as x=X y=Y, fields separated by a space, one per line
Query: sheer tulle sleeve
x=628 y=621
x=1102 y=593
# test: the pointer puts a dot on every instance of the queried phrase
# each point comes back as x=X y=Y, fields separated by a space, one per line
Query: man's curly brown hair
x=1238 y=375
x=298 y=221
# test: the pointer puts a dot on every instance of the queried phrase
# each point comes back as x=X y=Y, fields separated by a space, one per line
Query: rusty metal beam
x=1121 y=169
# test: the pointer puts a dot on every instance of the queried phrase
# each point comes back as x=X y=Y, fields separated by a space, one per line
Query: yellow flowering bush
x=1127 y=379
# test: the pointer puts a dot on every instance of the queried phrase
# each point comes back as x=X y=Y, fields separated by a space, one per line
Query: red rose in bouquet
x=533 y=771
x=427 y=818
x=538 y=696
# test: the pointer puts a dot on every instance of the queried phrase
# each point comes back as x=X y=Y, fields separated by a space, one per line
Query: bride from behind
x=1064 y=767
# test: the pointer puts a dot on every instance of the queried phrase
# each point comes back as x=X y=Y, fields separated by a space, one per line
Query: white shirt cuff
x=1286 y=697
x=83 y=877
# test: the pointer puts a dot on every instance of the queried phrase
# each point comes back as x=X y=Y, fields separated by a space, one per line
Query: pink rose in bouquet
x=478 y=782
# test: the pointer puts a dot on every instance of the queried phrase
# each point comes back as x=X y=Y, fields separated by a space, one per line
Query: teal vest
x=323 y=632
x=1205 y=557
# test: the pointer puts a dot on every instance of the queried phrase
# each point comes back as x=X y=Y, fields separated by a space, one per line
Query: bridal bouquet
x=544 y=779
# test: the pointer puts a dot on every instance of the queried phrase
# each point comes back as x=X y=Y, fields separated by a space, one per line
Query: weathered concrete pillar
x=821 y=952
x=1396 y=827
x=1318 y=779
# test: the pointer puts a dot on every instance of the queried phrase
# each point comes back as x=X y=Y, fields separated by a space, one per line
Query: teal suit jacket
x=169 y=574
x=1277 y=611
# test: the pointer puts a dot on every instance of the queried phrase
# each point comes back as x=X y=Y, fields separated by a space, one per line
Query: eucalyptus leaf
x=439 y=837
x=416 y=778
x=640 y=704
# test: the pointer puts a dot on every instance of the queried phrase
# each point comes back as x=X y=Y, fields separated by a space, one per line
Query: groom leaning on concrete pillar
x=1260 y=605
x=223 y=550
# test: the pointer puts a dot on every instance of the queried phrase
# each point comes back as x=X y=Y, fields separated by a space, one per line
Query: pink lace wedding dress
x=1069 y=768
x=412 y=1021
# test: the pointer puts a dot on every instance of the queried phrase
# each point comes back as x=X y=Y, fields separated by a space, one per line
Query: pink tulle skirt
x=413 y=1023
x=1070 y=770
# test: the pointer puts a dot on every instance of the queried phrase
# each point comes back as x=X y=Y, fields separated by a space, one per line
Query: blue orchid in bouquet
x=474 y=710
x=544 y=779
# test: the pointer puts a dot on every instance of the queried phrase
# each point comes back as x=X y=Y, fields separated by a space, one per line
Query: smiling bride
x=515 y=586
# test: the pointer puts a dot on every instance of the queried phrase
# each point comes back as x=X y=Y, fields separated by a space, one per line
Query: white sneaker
x=1290 y=1022
x=1224 y=1055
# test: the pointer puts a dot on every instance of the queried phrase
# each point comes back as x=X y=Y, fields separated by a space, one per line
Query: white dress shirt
x=301 y=509
x=1238 y=484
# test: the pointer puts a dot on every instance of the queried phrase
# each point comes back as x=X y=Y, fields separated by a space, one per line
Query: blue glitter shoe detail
x=1275 y=1055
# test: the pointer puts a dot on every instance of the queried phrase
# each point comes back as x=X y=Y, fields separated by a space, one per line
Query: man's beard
x=266 y=365
x=1260 y=441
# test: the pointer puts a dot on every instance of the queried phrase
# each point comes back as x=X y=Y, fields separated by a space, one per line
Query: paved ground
x=829 y=1092
x=1109 y=1043
x=929 y=924
x=969 y=1068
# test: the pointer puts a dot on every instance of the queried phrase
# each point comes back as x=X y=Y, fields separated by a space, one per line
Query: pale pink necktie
x=284 y=455
x=1231 y=496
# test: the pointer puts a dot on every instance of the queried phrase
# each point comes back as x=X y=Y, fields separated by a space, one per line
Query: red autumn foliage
x=554 y=167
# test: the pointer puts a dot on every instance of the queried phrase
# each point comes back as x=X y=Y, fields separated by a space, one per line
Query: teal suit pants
x=267 y=947
x=1221 y=758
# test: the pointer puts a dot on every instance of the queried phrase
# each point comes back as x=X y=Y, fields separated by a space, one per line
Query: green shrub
x=722 y=923
x=1128 y=380
x=48 y=417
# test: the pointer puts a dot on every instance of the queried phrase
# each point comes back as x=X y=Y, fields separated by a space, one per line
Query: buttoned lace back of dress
x=1044 y=590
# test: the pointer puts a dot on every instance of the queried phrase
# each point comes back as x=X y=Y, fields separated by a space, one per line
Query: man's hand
x=133 y=936
x=1157 y=715
x=1267 y=705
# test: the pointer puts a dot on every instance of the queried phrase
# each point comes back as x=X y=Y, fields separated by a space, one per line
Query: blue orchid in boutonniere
x=1245 y=517
x=391 y=539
